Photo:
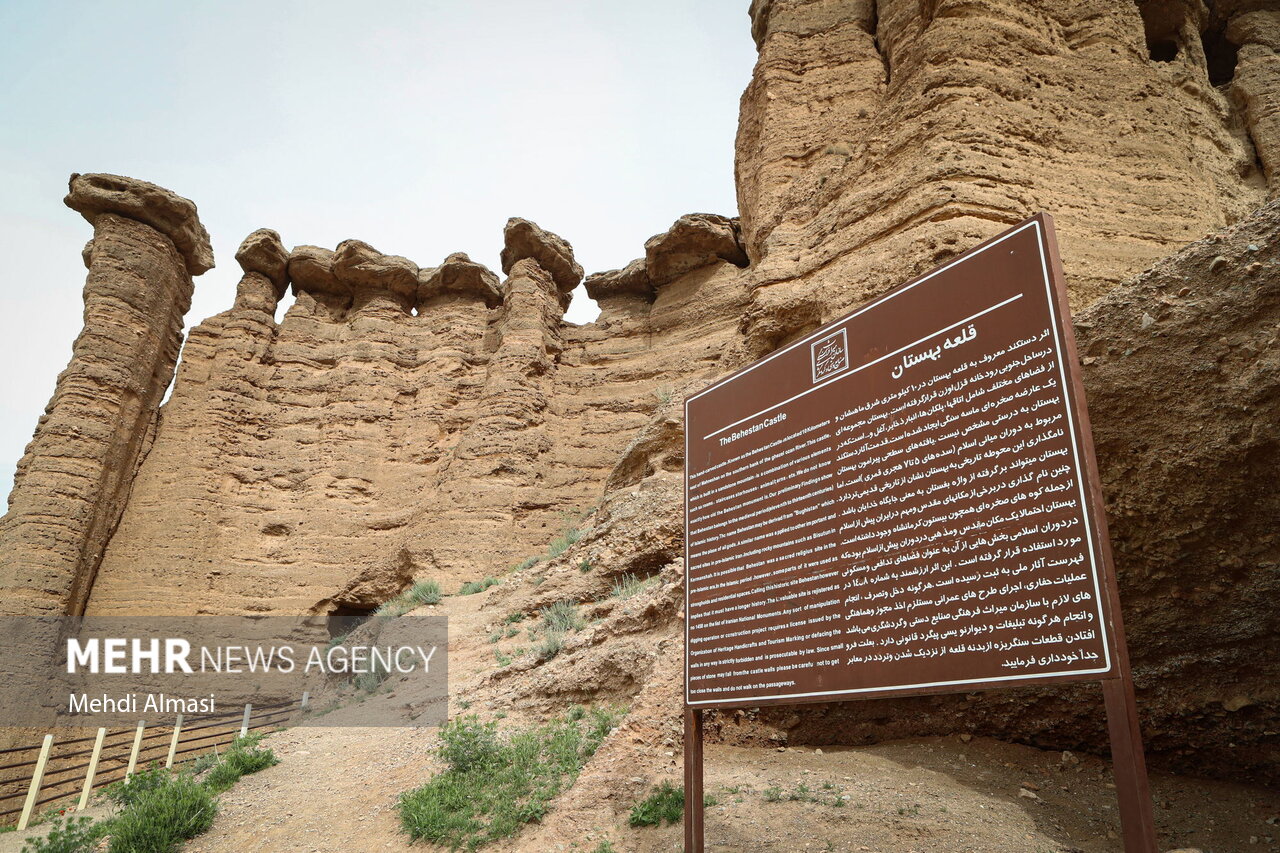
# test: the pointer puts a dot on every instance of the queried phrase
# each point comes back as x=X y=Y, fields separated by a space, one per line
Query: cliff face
x=74 y=480
x=402 y=422
x=878 y=139
x=397 y=423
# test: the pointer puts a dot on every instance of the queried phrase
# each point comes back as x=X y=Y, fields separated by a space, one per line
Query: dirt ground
x=335 y=790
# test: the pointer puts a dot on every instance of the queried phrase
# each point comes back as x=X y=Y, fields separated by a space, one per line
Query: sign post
x=906 y=502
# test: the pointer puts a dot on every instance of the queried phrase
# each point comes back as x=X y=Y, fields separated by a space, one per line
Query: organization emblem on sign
x=830 y=355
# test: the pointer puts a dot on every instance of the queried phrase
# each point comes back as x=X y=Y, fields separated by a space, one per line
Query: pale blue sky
x=418 y=127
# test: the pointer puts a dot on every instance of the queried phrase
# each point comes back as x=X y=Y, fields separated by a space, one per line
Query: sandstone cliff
x=403 y=422
x=399 y=423
x=73 y=483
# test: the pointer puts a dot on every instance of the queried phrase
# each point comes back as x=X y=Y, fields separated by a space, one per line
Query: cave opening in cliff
x=345 y=618
x=1220 y=56
x=1162 y=50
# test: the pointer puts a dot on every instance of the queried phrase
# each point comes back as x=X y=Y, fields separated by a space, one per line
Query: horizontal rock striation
x=74 y=481
x=396 y=423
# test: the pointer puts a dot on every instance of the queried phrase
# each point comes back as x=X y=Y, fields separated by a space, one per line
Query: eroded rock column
x=74 y=479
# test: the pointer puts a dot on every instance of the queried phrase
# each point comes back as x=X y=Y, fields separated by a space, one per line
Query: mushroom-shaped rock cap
x=262 y=252
x=694 y=240
x=167 y=212
x=362 y=267
x=311 y=271
x=630 y=279
x=459 y=274
x=524 y=239
x=1255 y=27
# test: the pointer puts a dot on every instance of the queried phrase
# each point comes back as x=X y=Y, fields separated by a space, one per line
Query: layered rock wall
x=402 y=422
x=878 y=139
x=397 y=423
x=73 y=483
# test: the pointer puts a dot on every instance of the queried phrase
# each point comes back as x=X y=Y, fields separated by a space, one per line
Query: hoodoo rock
x=74 y=481
x=692 y=242
x=524 y=239
x=172 y=215
x=263 y=252
x=633 y=279
x=373 y=276
x=325 y=460
x=459 y=276
x=265 y=262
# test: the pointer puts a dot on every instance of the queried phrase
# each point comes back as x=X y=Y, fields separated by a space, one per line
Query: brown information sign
x=904 y=501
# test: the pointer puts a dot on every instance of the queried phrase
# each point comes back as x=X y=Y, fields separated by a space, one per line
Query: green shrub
x=241 y=758
x=159 y=820
x=628 y=585
x=552 y=644
x=562 y=542
x=421 y=592
x=472 y=587
x=527 y=564
x=124 y=793
x=391 y=608
x=367 y=682
x=665 y=804
x=584 y=567
x=562 y=617
x=495 y=784
x=68 y=835
x=605 y=846
x=424 y=592
x=467 y=744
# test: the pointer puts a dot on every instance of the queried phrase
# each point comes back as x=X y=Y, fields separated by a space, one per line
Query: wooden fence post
x=244 y=726
x=92 y=771
x=173 y=744
x=36 y=778
x=306 y=697
x=133 y=754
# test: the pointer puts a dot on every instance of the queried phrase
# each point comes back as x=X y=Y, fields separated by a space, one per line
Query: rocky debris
x=524 y=239
x=167 y=212
x=263 y=252
x=693 y=241
x=460 y=276
x=372 y=275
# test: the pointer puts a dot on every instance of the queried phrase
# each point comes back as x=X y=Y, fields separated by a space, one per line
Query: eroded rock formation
x=891 y=135
x=402 y=422
x=74 y=481
x=396 y=423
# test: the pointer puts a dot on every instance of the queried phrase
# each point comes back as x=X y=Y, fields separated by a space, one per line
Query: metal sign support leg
x=693 y=807
x=1132 y=788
